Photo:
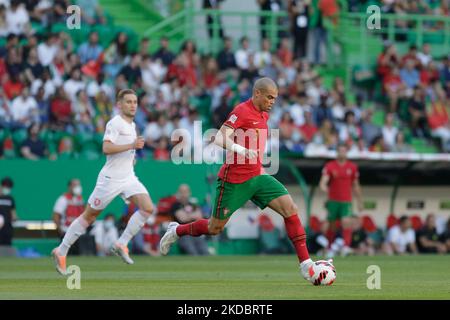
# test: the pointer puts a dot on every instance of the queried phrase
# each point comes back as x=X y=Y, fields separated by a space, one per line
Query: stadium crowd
x=57 y=95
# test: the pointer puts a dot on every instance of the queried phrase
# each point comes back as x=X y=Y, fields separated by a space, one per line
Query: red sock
x=347 y=235
x=195 y=229
x=297 y=235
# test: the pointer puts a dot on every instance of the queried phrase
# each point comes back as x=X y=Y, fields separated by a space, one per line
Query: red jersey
x=251 y=132
x=341 y=181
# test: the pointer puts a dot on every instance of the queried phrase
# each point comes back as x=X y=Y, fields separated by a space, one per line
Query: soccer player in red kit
x=339 y=178
x=242 y=177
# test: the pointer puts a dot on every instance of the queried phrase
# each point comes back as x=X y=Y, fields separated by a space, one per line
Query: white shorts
x=107 y=189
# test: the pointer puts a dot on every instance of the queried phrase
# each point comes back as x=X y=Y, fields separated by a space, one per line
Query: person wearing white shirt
x=241 y=55
x=17 y=18
x=24 y=109
x=47 y=50
x=74 y=84
x=389 y=131
x=401 y=238
x=298 y=109
x=117 y=178
x=425 y=55
x=106 y=234
x=264 y=57
x=155 y=130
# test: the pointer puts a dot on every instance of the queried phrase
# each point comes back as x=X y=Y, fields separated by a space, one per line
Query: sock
x=347 y=235
x=135 y=224
x=297 y=235
x=195 y=229
x=76 y=229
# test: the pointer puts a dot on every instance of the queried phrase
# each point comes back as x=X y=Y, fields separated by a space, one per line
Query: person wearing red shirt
x=338 y=179
x=242 y=178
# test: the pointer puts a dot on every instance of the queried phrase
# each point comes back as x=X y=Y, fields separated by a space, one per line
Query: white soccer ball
x=324 y=273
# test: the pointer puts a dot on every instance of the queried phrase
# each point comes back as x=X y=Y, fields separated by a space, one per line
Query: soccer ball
x=324 y=273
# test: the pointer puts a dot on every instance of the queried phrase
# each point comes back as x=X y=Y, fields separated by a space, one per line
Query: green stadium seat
x=378 y=117
x=19 y=136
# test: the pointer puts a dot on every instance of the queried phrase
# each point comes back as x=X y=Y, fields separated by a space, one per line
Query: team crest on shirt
x=225 y=211
x=233 y=118
x=97 y=201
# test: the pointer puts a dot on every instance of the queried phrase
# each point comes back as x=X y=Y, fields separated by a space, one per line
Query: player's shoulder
x=240 y=108
x=330 y=163
x=352 y=164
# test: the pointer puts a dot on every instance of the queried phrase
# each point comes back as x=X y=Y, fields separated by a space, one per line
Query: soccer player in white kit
x=117 y=177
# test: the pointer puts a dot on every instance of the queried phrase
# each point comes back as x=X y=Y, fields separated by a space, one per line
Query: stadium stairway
x=132 y=14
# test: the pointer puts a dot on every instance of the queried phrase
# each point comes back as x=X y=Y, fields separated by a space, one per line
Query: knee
x=89 y=217
x=147 y=210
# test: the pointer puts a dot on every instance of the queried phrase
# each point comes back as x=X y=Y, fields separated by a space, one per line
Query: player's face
x=128 y=105
x=342 y=153
x=266 y=98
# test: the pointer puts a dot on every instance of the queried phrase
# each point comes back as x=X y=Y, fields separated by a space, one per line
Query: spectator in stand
x=290 y=136
x=267 y=6
x=106 y=234
x=369 y=130
x=32 y=68
x=394 y=88
x=299 y=11
x=5 y=111
x=438 y=117
x=47 y=50
x=211 y=20
x=284 y=53
x=350 y=130
x=428 y=238
x=411 y=55
x=24 y=110
x=264 y=57
x=185 y=210
x=225 y=58
x=378 y=145
x=155 y=130
x=33 y=148
x=361 y=243
x=409 y=75
x=425 y=56
x=164 y=52
x=417 y=112
x=17 y=19
x=12 y=85
x=161 y=152
x=389 y=131
x=116 y=55
x=400 y=144
x=242 y=54
x=3 y=24
x=61 y=111
x=387 y=60
x=83 y=112
x=445 y=75
x=74 y=84
x=401 y=238
x=308 y=128
x=90 y=50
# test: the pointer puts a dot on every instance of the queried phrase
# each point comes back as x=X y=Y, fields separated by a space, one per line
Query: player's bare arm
x=323 y=184
x=111 y=148
x=223 y=139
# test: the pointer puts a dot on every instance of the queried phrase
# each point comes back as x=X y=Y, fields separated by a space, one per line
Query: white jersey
x=119 y=166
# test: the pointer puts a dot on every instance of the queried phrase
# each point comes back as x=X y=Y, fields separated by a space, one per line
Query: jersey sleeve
x=236 y=119
x=60 y=205
x=326 y=170
x=111 y=132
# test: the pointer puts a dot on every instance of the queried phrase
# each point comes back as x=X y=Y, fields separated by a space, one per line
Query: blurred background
x=383 y=91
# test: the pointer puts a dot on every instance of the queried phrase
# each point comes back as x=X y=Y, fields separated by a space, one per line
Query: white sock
x=76 y=229
x=135 y=224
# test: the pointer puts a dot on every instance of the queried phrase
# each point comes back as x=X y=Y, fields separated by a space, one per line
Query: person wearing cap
x=7 y=212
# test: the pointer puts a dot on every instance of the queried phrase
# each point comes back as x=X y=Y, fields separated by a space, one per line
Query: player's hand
x=251 y=154
x=139 y=143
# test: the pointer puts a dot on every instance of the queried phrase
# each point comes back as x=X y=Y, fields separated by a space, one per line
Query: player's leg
x=345 y=213
x=137 y=193
x=332 y=217
x=76 y=229
x=271 y=193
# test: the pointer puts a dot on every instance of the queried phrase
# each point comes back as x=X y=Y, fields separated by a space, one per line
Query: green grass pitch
x=224 y=277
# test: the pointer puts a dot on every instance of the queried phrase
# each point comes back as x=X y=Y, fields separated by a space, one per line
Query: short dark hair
x=124 y=92
x=403 y=219
x=7 y=182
